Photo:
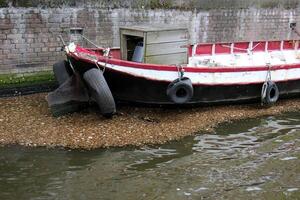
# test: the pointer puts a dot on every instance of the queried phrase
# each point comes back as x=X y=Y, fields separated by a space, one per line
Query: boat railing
x=240 y=47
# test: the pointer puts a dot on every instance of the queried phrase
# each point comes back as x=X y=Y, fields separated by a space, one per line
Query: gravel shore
x=26 y=120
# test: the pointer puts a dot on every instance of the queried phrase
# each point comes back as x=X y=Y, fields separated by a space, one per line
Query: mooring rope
x=241 y=49
x=106 y=55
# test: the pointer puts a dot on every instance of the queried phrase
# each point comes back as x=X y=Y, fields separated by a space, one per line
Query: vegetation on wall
x=156 y=4
x=166 y=4
x=3 y=3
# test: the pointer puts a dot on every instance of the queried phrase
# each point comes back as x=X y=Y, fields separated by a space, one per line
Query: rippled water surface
x=257 y=158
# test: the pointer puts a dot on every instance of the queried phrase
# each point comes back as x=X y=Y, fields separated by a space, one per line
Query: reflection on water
x=228 y=139
x=175 y=170
x=243 y=134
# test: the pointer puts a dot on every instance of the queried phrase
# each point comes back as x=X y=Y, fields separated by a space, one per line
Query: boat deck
x=244 y=59
x=245 y=54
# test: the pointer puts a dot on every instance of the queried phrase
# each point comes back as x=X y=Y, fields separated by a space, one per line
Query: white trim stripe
x=217 y=78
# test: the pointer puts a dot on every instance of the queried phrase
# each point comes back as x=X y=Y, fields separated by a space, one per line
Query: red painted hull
x=147 y=83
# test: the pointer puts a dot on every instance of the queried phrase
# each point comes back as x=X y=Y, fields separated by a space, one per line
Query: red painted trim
x=147 y=78
x=273 y=46
x=222 y=48
x=206 y=49
x=201 y=84
x=288 y=45
x=259 y=46
x=174 y=68
x=243 y=46
x=195 y=69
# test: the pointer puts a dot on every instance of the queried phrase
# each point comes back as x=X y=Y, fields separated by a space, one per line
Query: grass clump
x=25 y=79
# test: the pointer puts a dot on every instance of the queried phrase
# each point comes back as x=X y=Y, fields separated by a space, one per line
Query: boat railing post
x=281 y=45
x=296 y=45
x=250 y=46
x=250 y=52
x=213 y=52
x=282 y=52
x=266 y=46
x=268 y=58
x=231 y=48
x=194 y=50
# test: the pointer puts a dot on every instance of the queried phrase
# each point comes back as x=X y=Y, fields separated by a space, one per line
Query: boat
x=168 y=70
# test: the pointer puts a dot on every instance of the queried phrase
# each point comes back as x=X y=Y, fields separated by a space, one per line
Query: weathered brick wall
x=178 y=4
x=29 y=36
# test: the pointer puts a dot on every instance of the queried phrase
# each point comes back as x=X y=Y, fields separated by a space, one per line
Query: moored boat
x=218 y=72
x=210 y=73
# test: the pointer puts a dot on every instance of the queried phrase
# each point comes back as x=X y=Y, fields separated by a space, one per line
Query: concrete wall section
x=29 y=36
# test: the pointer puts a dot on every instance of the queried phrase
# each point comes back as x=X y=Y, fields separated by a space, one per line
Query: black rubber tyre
x=272 y=93
x=180 y=90
x=62 y=71
x=100 y=91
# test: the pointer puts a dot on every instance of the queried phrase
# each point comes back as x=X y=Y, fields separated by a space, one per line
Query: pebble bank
x=26 y=120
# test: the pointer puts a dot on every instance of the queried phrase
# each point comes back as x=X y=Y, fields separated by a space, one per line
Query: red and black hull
x=126 y=87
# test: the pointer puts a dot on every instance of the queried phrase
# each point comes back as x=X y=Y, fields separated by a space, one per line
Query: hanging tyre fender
x=100 y=91
x=180 y=90
x=270 y=93
x=62 y=71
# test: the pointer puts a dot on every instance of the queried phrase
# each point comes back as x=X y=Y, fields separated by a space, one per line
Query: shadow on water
x=33 y=173
x=27 y=170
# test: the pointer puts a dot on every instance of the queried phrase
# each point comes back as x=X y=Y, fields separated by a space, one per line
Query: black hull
x=128 y=88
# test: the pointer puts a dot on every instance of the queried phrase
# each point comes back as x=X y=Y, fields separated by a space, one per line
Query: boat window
x=76 y=36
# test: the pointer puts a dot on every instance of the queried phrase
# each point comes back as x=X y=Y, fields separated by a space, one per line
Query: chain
x=180 y=71
x=265 y=85
x=268 y=77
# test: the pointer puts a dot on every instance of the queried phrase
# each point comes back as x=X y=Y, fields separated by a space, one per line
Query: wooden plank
x=166 y=48
x=166 y=36
x=132 y=32
x=151 y=28
x=168 y=59
x=123 y=47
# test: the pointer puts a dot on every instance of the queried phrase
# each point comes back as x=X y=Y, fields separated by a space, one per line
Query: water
x=257 y=158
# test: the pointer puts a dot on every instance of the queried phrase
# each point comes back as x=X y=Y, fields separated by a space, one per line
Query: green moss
x=24 y=3
x=13 y=80
x=269 y=4
x=161 y=4
x=3 y=3
x=158 y=4
x=291 y=4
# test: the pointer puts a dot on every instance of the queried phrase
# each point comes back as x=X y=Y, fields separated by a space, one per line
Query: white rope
x=97 y=65
x=89 y=40
x=106 y=55
x=241 y=49
x=71 y=65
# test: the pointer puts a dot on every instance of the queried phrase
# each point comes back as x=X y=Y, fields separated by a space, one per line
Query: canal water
x=248 y=159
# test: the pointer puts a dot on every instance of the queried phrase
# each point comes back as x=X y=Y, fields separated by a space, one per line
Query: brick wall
x=29 y=36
